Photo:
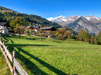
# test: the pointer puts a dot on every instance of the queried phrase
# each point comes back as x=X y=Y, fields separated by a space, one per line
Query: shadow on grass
x=52 y=68
x=20 y=45
x=30 y=66
x=11 y=40
x=7 y=39
x=57 y=41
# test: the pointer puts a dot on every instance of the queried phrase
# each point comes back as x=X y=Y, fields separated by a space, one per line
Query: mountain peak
x=90 y=23
x=58 y=19
x=61 y=16
x=83 y=18
x=74 y=16
x=82 y=22
x=92 y=17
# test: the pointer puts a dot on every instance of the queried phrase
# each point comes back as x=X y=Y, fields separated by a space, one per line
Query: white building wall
x=5 y=31
x=1 y=27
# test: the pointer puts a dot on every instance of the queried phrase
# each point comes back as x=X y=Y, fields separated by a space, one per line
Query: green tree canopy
x=16 y=22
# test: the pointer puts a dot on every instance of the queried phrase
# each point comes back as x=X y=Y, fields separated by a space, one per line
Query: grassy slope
x=56 y=58
x=4 y=70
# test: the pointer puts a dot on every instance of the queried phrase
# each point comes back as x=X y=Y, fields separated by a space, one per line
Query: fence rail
x=11 y=60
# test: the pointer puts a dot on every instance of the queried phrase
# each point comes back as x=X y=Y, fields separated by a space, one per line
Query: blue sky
x=54 y=8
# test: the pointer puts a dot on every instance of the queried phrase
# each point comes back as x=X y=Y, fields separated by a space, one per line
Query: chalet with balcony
x=33 y=27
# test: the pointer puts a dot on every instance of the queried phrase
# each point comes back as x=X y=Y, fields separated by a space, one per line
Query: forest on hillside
x=8 y=15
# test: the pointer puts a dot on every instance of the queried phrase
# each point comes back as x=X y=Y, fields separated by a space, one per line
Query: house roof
x=3 y=23
x=27 y=27
x=48 y=28
x=3 y=28
x=34 y=26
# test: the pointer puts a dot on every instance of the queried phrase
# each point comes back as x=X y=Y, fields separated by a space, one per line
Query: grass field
x=52 y=57
x=4 y=70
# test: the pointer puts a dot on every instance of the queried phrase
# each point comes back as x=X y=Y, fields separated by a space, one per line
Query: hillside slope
x=8 y=15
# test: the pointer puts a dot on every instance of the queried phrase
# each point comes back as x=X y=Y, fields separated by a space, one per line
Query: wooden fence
x=13 y=64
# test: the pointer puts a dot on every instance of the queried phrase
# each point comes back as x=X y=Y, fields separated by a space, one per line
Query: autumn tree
x=83 y=35
x=19 y=30
x=29 y=32
x=92 y=40
x=62 y=34
x=17 y=25
x=69 y=34
x=51 y=34
x=41 y=34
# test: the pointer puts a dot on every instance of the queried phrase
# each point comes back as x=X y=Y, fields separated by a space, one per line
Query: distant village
x=5 y=28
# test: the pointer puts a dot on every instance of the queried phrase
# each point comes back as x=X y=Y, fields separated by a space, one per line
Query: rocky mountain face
x=90 y=23
x=84 y=23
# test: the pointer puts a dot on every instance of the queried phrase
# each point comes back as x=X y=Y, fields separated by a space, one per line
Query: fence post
x=0 y=38
x=0 y=41
x=14 y=69
x=3 y=42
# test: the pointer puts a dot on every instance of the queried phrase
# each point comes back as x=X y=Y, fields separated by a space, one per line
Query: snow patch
x=71 y=18
x=92 y=17
x=57 y=19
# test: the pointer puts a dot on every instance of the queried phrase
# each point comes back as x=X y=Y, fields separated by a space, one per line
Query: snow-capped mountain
x=63 y=20
x=93 y=18
x=90 y=23
x=82 y=22
x=73 y=18
x=57 y=19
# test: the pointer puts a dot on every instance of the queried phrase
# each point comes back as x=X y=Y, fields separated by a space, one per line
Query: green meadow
x=54 y=57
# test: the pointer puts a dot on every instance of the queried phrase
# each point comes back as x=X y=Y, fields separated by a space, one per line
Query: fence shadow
x=52 y=68
x=7 y=39
x=11 y=40
x=20 y=45
x=30 y=66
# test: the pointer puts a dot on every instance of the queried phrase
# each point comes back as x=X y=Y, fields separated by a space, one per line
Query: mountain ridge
x=90 y=23
x=84 y=23
x=8 y=15
x=56 y=19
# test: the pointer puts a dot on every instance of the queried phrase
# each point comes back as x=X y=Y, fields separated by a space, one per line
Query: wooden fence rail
x=11 y=60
